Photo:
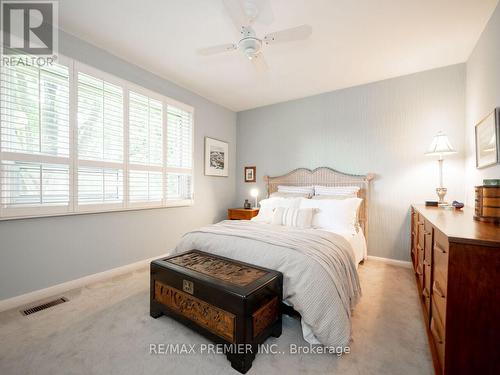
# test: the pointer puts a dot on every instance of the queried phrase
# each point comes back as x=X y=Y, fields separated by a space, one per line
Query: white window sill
x=86 y=211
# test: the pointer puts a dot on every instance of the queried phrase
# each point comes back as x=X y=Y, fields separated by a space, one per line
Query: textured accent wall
x=38 y=253
x=383 y=127
x=483 y=95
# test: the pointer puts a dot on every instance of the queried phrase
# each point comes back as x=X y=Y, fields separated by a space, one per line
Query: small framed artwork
x=216 y=157
x=488 y=140
x=250 y=174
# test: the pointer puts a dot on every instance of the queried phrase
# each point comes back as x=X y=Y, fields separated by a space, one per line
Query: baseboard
x=394 y=262
x=37 y=295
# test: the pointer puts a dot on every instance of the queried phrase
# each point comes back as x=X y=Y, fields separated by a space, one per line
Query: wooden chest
x=229 y=302
x=487 y=204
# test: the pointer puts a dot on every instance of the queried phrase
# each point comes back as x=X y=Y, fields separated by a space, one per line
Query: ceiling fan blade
x=245 y=12
x=259 y=11
x=259 y=62
x=237 y=13
x=217 y=49
x=289 y=35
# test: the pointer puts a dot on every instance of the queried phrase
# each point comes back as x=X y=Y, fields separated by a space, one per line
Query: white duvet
x=319 y=268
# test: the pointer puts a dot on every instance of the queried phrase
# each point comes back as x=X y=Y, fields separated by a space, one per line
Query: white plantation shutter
x=146 y=167
x=100 y=185
x=179 y=153
x=74 y=139
x=145 y=186
x=100 y=120
x=35 y=140
x=145 y=130
x=100 y=142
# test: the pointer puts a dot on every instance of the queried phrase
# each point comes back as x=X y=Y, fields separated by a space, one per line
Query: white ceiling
x=353 y=42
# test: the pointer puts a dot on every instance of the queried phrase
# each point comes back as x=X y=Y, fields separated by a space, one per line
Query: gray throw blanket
x=321 y=280
x=331 y=251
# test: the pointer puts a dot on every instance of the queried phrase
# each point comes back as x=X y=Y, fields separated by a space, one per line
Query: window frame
x=37 y=210
x=97 y=207
x=180 y=202
x=73 y=162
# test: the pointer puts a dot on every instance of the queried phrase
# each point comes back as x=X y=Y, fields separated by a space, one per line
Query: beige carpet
x=106 y=329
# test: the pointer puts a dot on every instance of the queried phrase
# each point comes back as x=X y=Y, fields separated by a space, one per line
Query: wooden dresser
x=457 y=265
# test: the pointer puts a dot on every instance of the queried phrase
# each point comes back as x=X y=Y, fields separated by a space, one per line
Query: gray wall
x=38 y=253
x=383 y=127
x=483 y=94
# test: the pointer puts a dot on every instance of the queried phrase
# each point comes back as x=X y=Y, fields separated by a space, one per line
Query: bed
x=319 y=266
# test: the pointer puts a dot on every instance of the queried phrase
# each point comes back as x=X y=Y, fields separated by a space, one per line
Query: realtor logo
x=29 y=27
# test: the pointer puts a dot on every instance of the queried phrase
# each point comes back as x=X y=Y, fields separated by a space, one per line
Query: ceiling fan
x=244 y=13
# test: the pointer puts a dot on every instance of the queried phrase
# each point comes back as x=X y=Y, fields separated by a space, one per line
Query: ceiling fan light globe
x=250 y=52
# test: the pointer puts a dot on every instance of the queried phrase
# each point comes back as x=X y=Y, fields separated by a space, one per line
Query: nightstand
x=242 y=213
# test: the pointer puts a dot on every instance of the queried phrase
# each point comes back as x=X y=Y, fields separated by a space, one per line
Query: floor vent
x=44 y=306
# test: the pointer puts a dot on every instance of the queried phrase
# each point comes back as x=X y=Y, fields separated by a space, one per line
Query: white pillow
x=293 y=217
x=345 y=191
x=296 y=189
x=267 y=207
x=339 y=215
x=279 y=194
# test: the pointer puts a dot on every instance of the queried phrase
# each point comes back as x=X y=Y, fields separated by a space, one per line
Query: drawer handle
x=435 y=332
x=427 y=233
x=425 y=293
x=437 y=289
x=439 y=248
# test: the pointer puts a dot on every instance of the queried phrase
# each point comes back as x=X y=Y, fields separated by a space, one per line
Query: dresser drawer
x=421 y=235
x=438 y=337
x=426 y=296
x=491 y=192
x=491 y=211
x=428 y=247
x=440 y=264
x=491 y=202
x=420 y=266
x=427 y=227
x=439 y=301
x=441 y=240
x=427 y=276
x=427 y=286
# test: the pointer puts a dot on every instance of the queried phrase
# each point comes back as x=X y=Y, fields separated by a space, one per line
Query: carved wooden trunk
x=229 y=302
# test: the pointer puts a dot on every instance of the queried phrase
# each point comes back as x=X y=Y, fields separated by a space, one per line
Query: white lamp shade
x=254 y=193
x=440 y=146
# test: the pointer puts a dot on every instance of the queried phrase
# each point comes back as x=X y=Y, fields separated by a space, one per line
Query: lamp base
x=441 y=192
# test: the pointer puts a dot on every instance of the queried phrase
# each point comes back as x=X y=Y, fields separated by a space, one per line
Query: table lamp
x=440 y=146
x=254 y=193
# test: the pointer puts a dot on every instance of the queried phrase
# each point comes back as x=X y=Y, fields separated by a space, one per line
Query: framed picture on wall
x=488 y=140
x=250 y=174
x=216 y=157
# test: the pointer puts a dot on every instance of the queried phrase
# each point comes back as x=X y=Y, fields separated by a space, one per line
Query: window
x=74 y=139
x=145 y=149
x=34 y=140
x=100 y=142
x=179 y=154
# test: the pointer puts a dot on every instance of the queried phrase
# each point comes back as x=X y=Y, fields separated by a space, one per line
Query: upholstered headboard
x=327 y=177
